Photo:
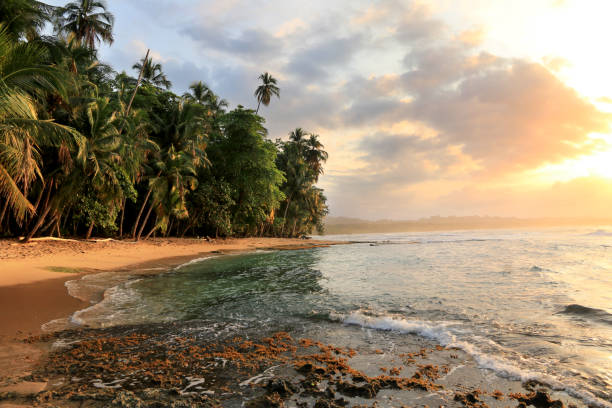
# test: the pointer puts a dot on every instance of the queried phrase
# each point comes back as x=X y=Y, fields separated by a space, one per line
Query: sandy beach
x=32 y=278
x=168 y=364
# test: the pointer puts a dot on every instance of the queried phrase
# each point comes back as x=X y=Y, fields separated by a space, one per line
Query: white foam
x=444 y=333
x=194 y=261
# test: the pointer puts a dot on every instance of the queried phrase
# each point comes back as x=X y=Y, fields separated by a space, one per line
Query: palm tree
x=315 y=155
x=266 y=90
x=199 y=92
x=152 y=73
x=22 y=133
x=86 y=20
x=182 y=142
x=24 y=17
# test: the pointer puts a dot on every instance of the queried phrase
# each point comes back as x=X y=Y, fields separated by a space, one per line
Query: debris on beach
x=144 y=369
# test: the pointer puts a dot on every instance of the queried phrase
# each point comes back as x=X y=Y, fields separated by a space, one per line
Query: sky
x=448 y=107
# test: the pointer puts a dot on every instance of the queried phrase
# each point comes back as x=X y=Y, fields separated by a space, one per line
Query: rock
x=266 y=401
x=127 y=399
x=539 y=399
x=281 y=387
x=351 y=390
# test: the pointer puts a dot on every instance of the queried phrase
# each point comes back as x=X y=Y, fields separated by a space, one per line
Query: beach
x=33 y=277
x=415 y=319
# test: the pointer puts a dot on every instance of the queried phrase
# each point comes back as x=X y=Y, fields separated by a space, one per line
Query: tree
x=266 y=90
x=152 y=73
x=301 y=158
x=245 y=159
x=199 y=92
x=87 y=21
x=182 y=140
x=22 y=132
x=24 y=18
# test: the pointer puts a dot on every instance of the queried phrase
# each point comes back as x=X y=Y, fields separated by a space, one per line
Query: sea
x=524 y=304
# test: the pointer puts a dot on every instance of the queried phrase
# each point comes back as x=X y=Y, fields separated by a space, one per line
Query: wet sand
x=156 y=365
x=33 y=292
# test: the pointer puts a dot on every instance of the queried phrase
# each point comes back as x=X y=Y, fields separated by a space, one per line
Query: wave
x=587 y=312
x=194 y=261
x=444 y=333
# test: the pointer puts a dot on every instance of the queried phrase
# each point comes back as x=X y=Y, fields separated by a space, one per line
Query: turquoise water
x=524 y=304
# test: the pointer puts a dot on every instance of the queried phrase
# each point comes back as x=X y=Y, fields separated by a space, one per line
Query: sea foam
x=445 y=334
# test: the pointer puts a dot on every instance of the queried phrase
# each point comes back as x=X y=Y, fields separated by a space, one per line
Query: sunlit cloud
x=425 y=108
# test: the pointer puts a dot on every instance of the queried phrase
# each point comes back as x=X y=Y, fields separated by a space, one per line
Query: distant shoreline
x=342 y=225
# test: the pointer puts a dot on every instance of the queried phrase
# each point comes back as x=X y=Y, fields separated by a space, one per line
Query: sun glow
x=598 y=164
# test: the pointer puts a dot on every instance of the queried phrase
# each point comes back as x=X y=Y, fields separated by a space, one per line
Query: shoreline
x=35 y=281
x=33 y=277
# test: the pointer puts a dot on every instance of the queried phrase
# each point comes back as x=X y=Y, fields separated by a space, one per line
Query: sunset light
x=306 y=203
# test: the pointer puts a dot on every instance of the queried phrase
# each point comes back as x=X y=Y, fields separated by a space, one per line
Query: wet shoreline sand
x=33 y=277
x=165 y=365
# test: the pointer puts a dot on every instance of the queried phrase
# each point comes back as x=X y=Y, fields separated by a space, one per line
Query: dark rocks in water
x=326 y=403
x=127 y=399
x=366 y=390
x=539 y=399
x=281 y=387
x=470 y=399
x=266 y=401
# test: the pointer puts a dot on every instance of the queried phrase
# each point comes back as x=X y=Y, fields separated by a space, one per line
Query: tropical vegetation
x=87 y=151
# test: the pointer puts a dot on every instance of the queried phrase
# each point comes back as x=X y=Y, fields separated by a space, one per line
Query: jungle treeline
x=86 y=150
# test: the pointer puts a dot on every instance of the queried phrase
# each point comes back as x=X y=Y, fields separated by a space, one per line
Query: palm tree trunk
x=152 y=229
x=42 y=216
x=285 y=214
x=127 y=110
x=169 y=228
x=36 y=204
x=89 y=230
x=258 y=103
x=144 y=222
x=57 y=227
x=4 y=207
x=121 y=220
x=134 y=228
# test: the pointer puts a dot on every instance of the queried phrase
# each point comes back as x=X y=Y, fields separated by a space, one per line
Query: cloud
x=314 y=62
x=418 y=117
x=512 y=118
x=251 y=42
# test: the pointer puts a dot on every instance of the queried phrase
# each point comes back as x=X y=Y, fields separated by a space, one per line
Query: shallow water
x=524 y=304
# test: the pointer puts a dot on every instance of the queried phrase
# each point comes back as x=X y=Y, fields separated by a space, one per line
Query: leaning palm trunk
x=4 y=207
x=144 y=223
x=152 y=229
x=127 y=110
x=285 y=214
x=135 y=227
x=91 y=225
x=42 y=216
x=121 y=220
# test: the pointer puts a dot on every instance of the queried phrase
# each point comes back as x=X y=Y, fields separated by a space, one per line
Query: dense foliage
x=86 y=150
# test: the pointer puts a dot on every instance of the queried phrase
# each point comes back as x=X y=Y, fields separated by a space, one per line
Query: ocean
x=524 y=304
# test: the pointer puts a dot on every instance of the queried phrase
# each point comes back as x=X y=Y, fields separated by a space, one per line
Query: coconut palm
x=315 y=155
x=24 y=17
x=87 y=21
x=22 y=133
x=152 y=73
x=182 y=139
x=266 y=90
x=199 y=92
